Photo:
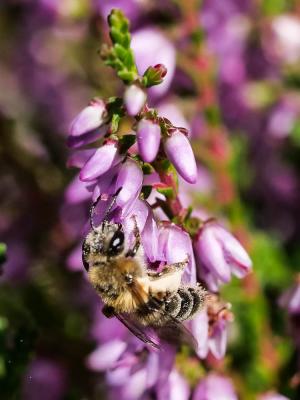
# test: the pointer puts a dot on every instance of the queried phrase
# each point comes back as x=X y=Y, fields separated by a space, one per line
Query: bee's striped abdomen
x=185 y=303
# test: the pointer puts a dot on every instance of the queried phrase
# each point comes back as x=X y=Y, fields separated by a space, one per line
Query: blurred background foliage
x=237 y=83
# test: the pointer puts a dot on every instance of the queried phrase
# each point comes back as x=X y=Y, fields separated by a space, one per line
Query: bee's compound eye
x=116 y=243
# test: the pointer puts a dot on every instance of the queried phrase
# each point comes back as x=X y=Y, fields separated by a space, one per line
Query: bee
x=140 y=298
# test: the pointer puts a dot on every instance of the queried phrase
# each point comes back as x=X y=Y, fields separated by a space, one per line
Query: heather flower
x=180 y=153
x=290 y=299
x=209 y=328
x=134 y=98
x=85 y=127
x=133 y=375
x=215 y=387
x=106 y=355
x=175 y=245
x=148 y=138
x=140 y=211
x=101 y=161
x=130 y=180
x=104 y=185
x=219 y=255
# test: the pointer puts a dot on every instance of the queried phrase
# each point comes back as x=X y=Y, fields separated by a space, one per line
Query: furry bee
x=138 y=297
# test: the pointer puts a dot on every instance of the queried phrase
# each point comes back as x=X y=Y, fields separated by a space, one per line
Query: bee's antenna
x=92 y=210
x=112 y=203
x=93 y=206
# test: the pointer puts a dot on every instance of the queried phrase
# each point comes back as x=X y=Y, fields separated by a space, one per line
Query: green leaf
x=114 y=125
x=120 y=56
x=126 y=76
x=147 y=169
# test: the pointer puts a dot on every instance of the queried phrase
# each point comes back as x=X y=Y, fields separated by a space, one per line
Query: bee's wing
x=136 y=329
x=173 y=332
x=176 y=334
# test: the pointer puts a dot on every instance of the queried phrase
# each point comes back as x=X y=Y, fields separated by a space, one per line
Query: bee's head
x=104 y=242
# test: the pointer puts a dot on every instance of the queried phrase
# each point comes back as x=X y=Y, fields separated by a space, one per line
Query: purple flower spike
x=290 y=299
x=180 y=153
x=148 y=138
x=220 y=254
x=90 y=118
x=130 y=180
x=101 y=161
x=134 y=98
x=215 y=387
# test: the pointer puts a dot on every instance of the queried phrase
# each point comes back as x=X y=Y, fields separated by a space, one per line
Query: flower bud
x=130 y=180
x=148 y=138
x=134 y=98
x=90 y=118
x=219 y=254
x=180 y=153
x=154 y=75
x=101 y=161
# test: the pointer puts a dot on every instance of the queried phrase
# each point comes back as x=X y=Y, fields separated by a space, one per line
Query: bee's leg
x=132 y=252
x=179 y=266
x=108 y=311
x=169 y=269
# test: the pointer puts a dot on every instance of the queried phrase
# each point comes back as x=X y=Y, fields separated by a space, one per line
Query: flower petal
x=101 y=161
x=180 y=153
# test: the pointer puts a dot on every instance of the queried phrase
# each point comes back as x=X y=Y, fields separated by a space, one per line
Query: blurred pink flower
x=219 y=254
x=215 y=387
x=159 y=50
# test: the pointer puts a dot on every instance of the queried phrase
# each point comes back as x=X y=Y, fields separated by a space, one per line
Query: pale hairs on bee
x=139 y=297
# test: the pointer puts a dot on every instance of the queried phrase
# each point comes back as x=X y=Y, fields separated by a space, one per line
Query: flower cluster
x=139 y=167
x=231 y=81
